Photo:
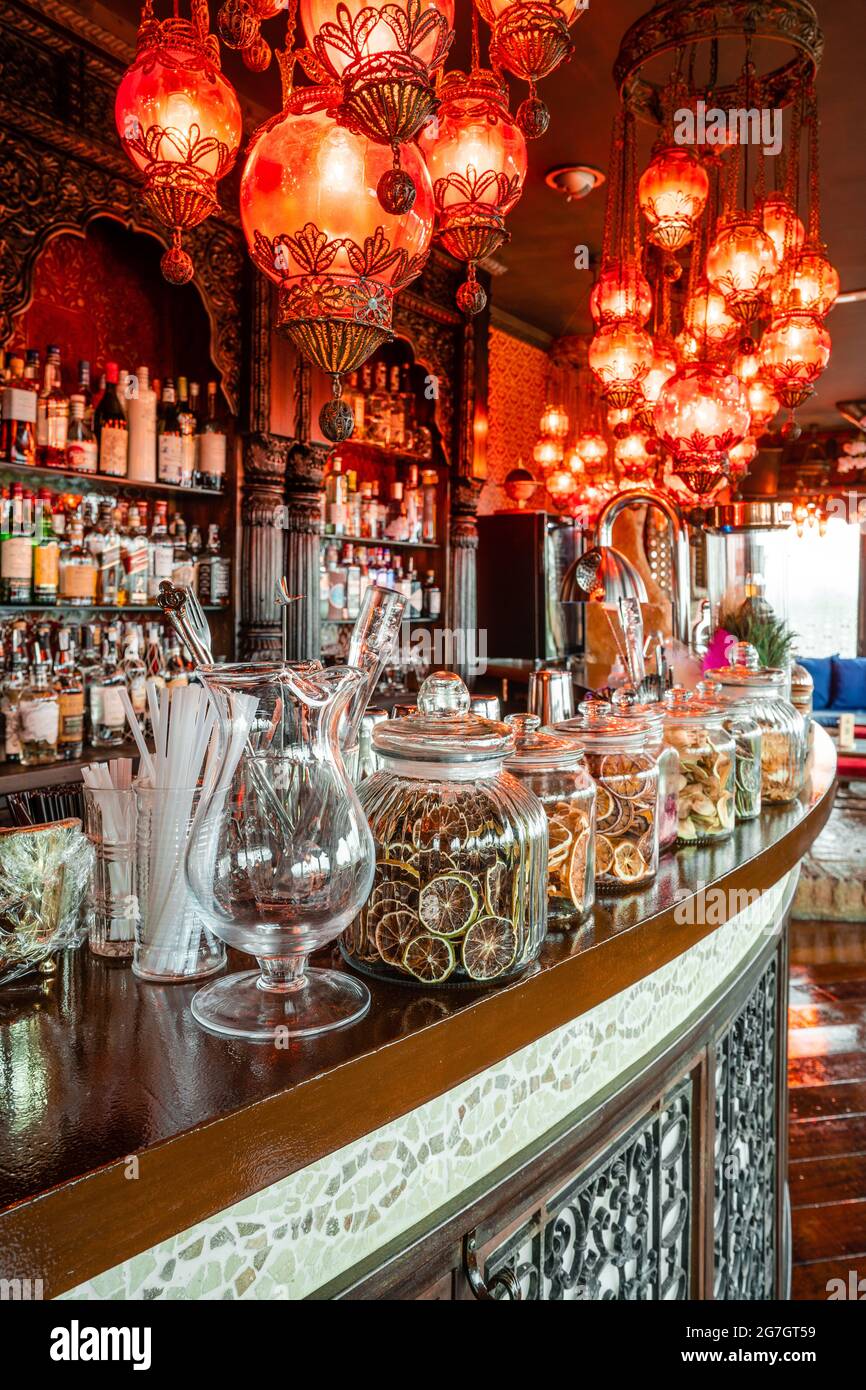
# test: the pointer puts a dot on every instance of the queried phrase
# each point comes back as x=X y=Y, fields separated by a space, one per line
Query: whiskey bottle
x=46 y=554
x=134 y=556
x=38 y=713
x=107 y=717
x=82 y=453
x=78 y=570
x=70 y=699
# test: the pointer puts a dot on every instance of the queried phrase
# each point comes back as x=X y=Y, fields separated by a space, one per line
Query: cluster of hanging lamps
x=180 y=123
x=530 y=39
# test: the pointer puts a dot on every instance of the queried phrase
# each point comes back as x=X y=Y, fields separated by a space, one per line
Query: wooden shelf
x=96 y=482
x=385 y=451
x=381 y=542
x=14 y=777
x=98 y=607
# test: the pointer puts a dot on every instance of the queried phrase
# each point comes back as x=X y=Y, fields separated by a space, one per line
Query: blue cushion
x=848 y=684
x=819 y=668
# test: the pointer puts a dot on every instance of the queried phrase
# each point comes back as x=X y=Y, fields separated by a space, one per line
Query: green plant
x=758 y=624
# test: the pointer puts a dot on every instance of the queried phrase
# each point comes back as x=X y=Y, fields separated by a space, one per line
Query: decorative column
x=304 y=469
x=462 y=614
x=263 y=517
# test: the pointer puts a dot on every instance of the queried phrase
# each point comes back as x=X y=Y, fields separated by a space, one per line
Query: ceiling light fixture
x=574 y=181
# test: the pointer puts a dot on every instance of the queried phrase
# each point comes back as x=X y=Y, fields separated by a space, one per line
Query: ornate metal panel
x=745 y=1152
x=623 y=1228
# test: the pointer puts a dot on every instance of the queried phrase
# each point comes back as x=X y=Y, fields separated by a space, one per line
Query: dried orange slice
x=448 y=905
x=489 y=948
x=430 y=959
x=577 y=871
x=628 y=862
x=498 y=885
x=394 y=933
x=604 y=805
x=603 y=855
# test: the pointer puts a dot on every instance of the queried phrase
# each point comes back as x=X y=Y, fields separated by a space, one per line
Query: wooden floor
x=827 y=1079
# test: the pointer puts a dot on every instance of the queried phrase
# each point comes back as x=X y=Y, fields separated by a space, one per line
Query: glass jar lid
x=744 y=669
x=537 y=748
x=627 y=704
x=443 y=730
x=685 y=707
x=597 y=728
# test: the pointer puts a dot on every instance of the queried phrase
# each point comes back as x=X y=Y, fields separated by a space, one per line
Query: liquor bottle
x=107 y=716
x=212 y=446
x=408 y=399
x=52 y=415
x=19 y=414
x=368 y=519
x=396 y=410
x=16 y=550
x=124 y=389
x=214 y=572
x=12 y=687
x=432 y=596
x=135 y=672
x=353 y=582
x=104 y=545
x=355 y=401
x=188 y=425
x=160 y=551
x=174 y=672
x=46 y=553
x=170 y=439
x=134 y=558
x=78 y=570
x=412 y=498
x=336 y=584
x=195 y=546
x=182 y=569
x=84 y=391
x=416 y=592
x=38 y=713
x=429 y=480
x=82 y=453
x=378 y=411
x=141 y=419
x=110 y=427
x=70 y=698
x=353 y=504
x=335 y=499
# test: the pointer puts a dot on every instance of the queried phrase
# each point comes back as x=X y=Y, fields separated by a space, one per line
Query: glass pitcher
x=280 y=857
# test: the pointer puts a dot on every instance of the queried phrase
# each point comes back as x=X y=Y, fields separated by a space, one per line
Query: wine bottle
x=110 y=427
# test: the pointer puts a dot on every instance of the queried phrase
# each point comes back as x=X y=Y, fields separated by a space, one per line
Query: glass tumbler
x=109 y=822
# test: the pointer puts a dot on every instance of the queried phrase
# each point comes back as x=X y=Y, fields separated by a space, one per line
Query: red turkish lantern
x=632 y=457
x=782 y=225
x=794 y=352
x=811 y=283
x=673 y=193
x=547 y=453
x=763 y=405
x=620 y=355
x=742 y=264
x=746 y=364
x=530 y=39
x=554 y=421
x=476 y=155
x=701 y=414
x=708 y=319
x=621 y=292
x=664 y=364
x=180 y=123
x=385 y=56
x=592 y=448
x=315 y=227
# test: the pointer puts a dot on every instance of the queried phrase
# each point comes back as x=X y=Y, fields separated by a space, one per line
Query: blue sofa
x=840 y=687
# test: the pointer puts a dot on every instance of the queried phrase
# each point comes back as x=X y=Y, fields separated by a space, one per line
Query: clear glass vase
x=281 y=857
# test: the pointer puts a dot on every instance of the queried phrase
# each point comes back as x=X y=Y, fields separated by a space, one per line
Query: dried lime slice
x=489 y=948
x=498 y=886
x=396 y=868
x=448 y=905
x=396 y=891
x=394 y=933
x=429 y=958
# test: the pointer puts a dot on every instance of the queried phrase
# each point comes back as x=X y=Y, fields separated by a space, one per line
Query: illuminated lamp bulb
x=554 y=422
x=811 y=284
x=547 y=453
x=592 y=448
x=560 y=483
x=763 y=405
x=180 y=123
x=794 y=352
x=672 y=193
x=632 y=457
x=782 y=225
x=621 y=292
x=476 y=155
x=315 y=227
x=620 y=355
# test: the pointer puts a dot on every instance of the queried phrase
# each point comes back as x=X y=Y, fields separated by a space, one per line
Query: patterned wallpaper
x=516 y=400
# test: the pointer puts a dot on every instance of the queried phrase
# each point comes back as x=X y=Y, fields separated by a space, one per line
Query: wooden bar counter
x=612 y=1122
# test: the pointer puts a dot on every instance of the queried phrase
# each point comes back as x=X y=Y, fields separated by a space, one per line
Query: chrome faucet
x=679 y=535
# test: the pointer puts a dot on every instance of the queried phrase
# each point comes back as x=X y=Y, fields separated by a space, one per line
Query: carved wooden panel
x=622 y=1228
x=746 y=1148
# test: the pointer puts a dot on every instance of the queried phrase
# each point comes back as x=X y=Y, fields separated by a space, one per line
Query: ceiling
x=540 y=286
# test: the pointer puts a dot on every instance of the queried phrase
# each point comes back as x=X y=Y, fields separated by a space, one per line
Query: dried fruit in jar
x=626 y=846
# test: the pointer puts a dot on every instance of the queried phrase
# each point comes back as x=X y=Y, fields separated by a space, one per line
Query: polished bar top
x=123 y=1122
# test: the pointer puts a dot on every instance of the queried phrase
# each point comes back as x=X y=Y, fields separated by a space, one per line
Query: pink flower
x=717 y=652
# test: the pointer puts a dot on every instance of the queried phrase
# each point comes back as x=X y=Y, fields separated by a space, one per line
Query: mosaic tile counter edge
x=308 y=1228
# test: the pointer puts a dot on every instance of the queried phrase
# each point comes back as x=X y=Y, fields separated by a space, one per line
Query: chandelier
x=314 y=227
x=530 y=39
x=476 y=155
x=180 y=123
x=385 y=57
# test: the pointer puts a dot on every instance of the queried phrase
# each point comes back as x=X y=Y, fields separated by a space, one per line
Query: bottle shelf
x=98 y=607
x=106 y=482
x=381 y=542
x=15 y=777
x=385 y=451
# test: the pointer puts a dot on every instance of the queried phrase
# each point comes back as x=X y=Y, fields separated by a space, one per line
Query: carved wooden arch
x=436 y=351
x=47 y=193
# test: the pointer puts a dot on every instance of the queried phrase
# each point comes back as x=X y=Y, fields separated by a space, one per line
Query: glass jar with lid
x=746 y=733
x=762 y=692
x=705 y=796
x=555 y=770
x=459 y=894
x=626 y=810
x=627 y=705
